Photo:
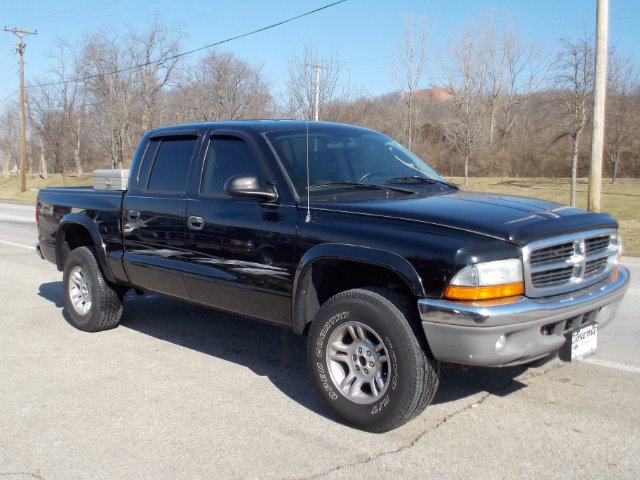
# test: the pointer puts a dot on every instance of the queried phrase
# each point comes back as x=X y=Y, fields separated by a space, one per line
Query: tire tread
x=426 y=375
x=106 y=309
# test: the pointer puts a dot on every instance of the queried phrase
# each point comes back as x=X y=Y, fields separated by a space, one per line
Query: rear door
x=154 y=214
x=242 y=249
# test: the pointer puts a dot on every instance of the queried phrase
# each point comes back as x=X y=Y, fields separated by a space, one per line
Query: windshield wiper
x=419 y=179
x=346 y=184
x=369 y=186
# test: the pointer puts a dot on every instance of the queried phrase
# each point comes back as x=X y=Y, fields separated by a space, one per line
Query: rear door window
x=170 y=167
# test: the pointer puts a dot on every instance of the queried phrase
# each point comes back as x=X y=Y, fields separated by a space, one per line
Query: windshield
x=340 y=154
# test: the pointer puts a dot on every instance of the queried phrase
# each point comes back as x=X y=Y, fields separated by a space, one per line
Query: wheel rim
x=358 y=362
x=80 y=290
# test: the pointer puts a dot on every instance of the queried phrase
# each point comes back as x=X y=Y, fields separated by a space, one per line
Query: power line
x=190 y=52
x=9 y=96
x=64 y=14
x=138 y=6
x=562 y=27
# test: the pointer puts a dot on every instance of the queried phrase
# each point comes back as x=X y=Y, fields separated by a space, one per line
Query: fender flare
x=352 y=253
x=88 y=224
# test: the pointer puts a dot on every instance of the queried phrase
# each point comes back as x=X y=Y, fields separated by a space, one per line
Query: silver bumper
x=467 y=332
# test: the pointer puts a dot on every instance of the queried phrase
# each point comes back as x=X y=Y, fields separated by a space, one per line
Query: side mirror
x=240 y=186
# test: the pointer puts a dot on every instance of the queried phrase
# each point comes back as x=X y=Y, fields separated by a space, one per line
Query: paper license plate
x=584 y=342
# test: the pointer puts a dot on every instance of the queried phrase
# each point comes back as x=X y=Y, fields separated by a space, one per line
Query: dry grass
x=622 y=200
x=10 y=186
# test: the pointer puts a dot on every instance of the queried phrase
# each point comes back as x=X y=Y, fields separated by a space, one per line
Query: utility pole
x=23 y=122
x=318 y=68
x=599 y=97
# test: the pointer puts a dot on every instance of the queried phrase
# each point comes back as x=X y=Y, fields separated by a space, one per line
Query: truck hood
x=519 y=220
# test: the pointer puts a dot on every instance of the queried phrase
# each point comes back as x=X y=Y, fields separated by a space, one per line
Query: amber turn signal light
x=454 y=292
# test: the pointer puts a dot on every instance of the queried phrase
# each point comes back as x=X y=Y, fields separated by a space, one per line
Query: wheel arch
x=76 y=230
x=318 y=276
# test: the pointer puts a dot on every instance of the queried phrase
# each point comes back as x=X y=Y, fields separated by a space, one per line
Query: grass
x=622 y=199
x=10 y=186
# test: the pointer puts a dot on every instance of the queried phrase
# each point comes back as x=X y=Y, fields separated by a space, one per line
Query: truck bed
x=101 y=207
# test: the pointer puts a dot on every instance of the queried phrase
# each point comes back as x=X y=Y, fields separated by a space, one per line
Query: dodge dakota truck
x=348 y=238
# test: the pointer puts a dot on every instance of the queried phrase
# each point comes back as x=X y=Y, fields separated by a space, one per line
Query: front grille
x=552 y=277
x=569 y=262
x=552 y=253
x=594 y=267
x=597 y=244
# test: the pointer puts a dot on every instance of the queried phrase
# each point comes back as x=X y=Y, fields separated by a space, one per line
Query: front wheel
x=91 y=303
x=367 y=362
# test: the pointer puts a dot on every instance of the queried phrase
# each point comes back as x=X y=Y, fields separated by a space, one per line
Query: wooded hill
x=502 y=106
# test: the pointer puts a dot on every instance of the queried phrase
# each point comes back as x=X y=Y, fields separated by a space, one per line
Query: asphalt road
x=178 y=391
x=17 y=225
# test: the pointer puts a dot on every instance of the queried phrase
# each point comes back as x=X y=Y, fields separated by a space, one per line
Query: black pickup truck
x=343 y=235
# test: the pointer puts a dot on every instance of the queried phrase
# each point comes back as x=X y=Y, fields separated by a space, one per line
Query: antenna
x=308 y=217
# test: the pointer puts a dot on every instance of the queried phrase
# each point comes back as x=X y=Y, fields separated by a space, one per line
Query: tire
x=90 y=302
x=367 y=362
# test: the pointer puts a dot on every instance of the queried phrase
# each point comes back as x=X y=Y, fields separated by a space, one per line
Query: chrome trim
x=468 y=333
x=578 y=262
x=490 y=313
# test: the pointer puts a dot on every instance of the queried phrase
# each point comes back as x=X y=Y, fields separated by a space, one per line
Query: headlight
x=615 y=256
x=488 y=280
x=615 y=245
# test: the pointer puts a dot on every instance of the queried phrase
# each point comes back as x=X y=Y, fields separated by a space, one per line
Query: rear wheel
x=90 y=302
x=367 y=362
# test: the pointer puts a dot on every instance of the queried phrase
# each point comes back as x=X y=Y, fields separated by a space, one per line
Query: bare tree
x=54 y=110
x=410 y=63
x=301 y=83
x=111 y=91
x=51 y=122
x=125 y=76
x=42 y=165
x=513 y=68
x=525 y=74
x=622 y=84
x=155 y=50
x=9 y=132
x=224 y=87
x=574 y=70
x=465 y=126
x=495 y=42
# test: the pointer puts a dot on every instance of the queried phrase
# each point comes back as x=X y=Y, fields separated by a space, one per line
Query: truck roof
x=253 y=125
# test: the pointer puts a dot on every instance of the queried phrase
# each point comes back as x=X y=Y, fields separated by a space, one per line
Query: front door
x=242 y=249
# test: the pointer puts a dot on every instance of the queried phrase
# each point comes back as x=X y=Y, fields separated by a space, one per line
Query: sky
x=362 y=34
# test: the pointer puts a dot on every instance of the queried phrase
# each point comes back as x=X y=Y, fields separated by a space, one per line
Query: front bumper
x=466 y=332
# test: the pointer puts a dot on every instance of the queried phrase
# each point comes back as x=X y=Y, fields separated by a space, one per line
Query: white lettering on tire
x=325 y=382
x=323 y=333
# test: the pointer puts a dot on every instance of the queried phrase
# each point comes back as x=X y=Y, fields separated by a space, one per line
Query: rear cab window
x=165 y=165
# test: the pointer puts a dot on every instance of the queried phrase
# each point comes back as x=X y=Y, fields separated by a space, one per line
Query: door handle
x=133 y=215
x=195 y=223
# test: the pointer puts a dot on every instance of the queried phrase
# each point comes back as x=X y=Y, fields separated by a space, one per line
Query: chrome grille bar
x=569 y=262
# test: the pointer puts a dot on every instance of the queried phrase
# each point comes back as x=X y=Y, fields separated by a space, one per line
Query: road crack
x=443 y=421
x=37 y=476
x=32 y=309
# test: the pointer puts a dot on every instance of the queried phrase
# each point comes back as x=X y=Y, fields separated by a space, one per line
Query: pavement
x=179 y=391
